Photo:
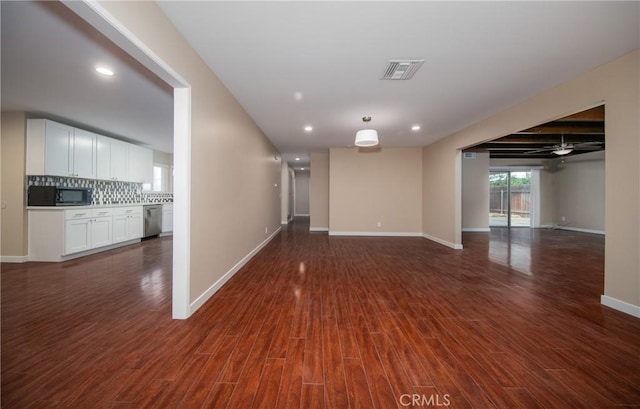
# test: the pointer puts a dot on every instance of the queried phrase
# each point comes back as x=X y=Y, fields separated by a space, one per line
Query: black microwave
x=59 y=196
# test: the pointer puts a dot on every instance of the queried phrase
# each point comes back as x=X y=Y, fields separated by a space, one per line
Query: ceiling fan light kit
x=366 y=137
x=563 y=151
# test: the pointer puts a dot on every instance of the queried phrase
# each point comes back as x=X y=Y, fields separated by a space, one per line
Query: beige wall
x=617 y=85
x=319 y=191
x=230 y=210
x=580 y=192
x=475 y=193
x=381 y=186
x=14 y=215
x=302 y=193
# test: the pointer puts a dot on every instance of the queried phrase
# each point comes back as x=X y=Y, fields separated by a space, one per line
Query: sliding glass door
x=510 y=199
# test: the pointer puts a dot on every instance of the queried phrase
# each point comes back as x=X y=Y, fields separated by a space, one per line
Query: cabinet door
x=84 y=155
x=119 y=160
x=77 y=235
x=103 y=157
x=140 y=164
x=167 y=220
x=58 y=146
x=101 y=231
x=134 y=226
x=119 y=228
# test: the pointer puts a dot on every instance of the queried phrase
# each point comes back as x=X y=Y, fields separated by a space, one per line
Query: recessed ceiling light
x=301 y=168
x=297 y=158
x=415 y=128
x=308 y=128
x=104 y=71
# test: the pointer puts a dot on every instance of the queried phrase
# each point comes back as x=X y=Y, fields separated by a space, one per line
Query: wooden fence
x=520 y=200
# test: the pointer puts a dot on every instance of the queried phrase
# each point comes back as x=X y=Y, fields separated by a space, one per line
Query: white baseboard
x=476 y=230
x=374 y=233
x=443 y=242
x=302 y=215
x=580 y=230
x=318 y=229
x=199 y=302
x=14 y=259
x=284 y=222
x=622 y=306
x=569 y=228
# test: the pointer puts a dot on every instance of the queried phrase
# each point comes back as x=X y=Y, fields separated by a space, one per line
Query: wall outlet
x=266 y=230
x=379 y=224
x=563 y=218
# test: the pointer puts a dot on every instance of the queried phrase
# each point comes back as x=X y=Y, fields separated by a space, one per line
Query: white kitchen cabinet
x=83 y=157
x=167 y=217
x=77 y=235
x=127 y=223
x=112 y=159
x=87 y=229
x=57 y=234
x=60 y=150
x=140 y=164
x=58 y=140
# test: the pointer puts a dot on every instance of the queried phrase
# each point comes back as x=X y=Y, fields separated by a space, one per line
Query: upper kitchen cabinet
x=113 y=159
x=60 y=150
x=140 y=164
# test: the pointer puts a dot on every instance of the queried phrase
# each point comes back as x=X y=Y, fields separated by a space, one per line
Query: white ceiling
x=48 y=60
x=292 y=64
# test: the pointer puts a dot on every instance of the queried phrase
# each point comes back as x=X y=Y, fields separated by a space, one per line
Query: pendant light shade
x=366 y=137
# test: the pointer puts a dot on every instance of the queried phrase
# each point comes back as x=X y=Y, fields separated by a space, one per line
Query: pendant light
x=366 y=137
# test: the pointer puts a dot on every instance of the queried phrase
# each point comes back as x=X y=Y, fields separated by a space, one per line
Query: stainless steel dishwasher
x=152 y=220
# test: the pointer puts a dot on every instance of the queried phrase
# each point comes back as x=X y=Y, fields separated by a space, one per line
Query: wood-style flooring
x=513 y=320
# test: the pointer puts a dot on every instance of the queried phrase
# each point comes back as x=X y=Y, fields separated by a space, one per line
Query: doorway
x=510 y=199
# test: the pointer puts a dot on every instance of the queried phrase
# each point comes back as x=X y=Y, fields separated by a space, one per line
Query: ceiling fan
x=564 y=148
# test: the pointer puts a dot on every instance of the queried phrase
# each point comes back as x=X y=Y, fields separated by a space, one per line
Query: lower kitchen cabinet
x=57 y=235
x=86 y=234
x=127 y=223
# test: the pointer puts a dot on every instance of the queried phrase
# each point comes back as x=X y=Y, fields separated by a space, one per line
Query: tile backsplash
x=105 y=192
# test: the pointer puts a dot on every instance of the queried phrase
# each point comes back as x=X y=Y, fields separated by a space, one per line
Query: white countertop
x=93 y=206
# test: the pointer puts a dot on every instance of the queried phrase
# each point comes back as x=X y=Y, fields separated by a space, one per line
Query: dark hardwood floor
x=513 y=320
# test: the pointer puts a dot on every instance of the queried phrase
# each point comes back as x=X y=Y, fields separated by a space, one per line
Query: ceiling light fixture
x=308 y=128
x=563 y=148
x=297 y=158
x=415 y=128
x=366 y=137
x=563 y=151
x=105 y=71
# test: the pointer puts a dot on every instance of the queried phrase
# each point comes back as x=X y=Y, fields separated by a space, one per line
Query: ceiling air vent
x=401 y=69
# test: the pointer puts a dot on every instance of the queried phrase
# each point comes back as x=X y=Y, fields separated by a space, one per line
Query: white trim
x=284 y=222
x=218 y=284
x=580 y=230
x=318 y=229
x=374 y=233
x=103 y=21
x=98 y=17
x=14 y=259
x=181 y=293
x=302 y=214
x=443 y=242
x=619 y=305
x=476 y=230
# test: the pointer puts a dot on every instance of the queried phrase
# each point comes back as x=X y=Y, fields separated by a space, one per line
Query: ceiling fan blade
x=537 y=151
x=594 y=143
